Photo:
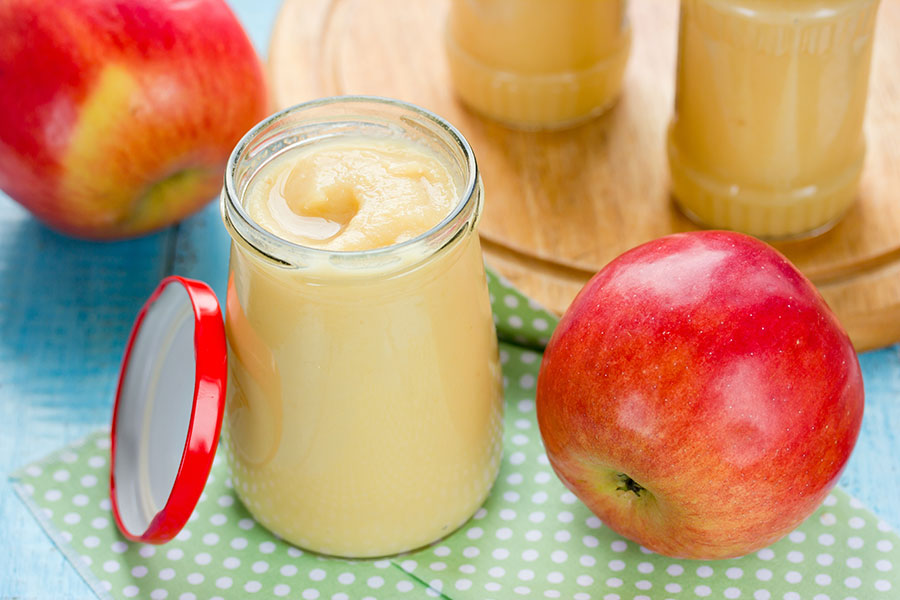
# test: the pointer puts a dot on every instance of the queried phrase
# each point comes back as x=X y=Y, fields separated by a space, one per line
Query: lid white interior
x=155 y=406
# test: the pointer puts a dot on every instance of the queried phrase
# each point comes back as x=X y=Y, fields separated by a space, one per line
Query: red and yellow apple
x=699 y=396
x=117 y=116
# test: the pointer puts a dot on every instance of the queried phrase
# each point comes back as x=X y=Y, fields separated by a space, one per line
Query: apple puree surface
x=352 y=194
x=364 y=403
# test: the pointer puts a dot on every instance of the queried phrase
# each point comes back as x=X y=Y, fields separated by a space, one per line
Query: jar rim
x=241 y=223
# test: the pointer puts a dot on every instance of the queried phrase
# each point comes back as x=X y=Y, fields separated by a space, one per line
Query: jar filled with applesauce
x=364 y=402
x=538 y=63
x=767 y=134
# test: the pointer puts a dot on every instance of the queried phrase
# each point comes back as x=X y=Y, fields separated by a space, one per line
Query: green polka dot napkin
x=531 y=539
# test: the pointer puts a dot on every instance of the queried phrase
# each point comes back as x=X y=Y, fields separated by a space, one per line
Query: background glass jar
x=538 y=64
x=770 y=96
x=364 y=406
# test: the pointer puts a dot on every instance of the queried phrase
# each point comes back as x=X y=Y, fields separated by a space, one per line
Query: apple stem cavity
x=627 y=484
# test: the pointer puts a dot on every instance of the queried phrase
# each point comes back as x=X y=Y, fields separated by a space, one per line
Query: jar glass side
x=767 y=134
x=365 y=400
x=534 y=64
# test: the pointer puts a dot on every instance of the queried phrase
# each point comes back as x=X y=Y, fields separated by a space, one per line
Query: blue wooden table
x=66 y=308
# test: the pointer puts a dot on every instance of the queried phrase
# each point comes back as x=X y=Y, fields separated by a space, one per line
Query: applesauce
x=538 y=63
x=767 y=135
x=364 y=405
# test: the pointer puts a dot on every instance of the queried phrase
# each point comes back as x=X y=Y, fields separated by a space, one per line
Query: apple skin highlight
x=699 y=396
x=117 y=116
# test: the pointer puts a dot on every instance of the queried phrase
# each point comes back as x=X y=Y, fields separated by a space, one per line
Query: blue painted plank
x=201 y=250
x=66 y=307
x=873 y=473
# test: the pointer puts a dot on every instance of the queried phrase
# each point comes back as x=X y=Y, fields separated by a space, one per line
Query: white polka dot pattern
x=531 y=539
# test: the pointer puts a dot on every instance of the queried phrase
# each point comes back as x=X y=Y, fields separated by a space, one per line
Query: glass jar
x=364 y=404
x=537 y=63
x=767 y=134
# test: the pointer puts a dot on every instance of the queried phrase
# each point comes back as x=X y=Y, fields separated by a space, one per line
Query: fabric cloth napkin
x=531 y=539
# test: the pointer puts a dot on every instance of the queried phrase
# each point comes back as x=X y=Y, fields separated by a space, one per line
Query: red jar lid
x=168 y=410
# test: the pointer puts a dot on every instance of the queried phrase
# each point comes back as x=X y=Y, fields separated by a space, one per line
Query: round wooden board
x=560 y=205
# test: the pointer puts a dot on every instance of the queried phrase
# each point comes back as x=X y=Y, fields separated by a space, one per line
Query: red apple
x=117 y=116
x=699 y=396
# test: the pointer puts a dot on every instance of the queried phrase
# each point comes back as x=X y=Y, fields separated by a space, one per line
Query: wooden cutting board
x=560 y=205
